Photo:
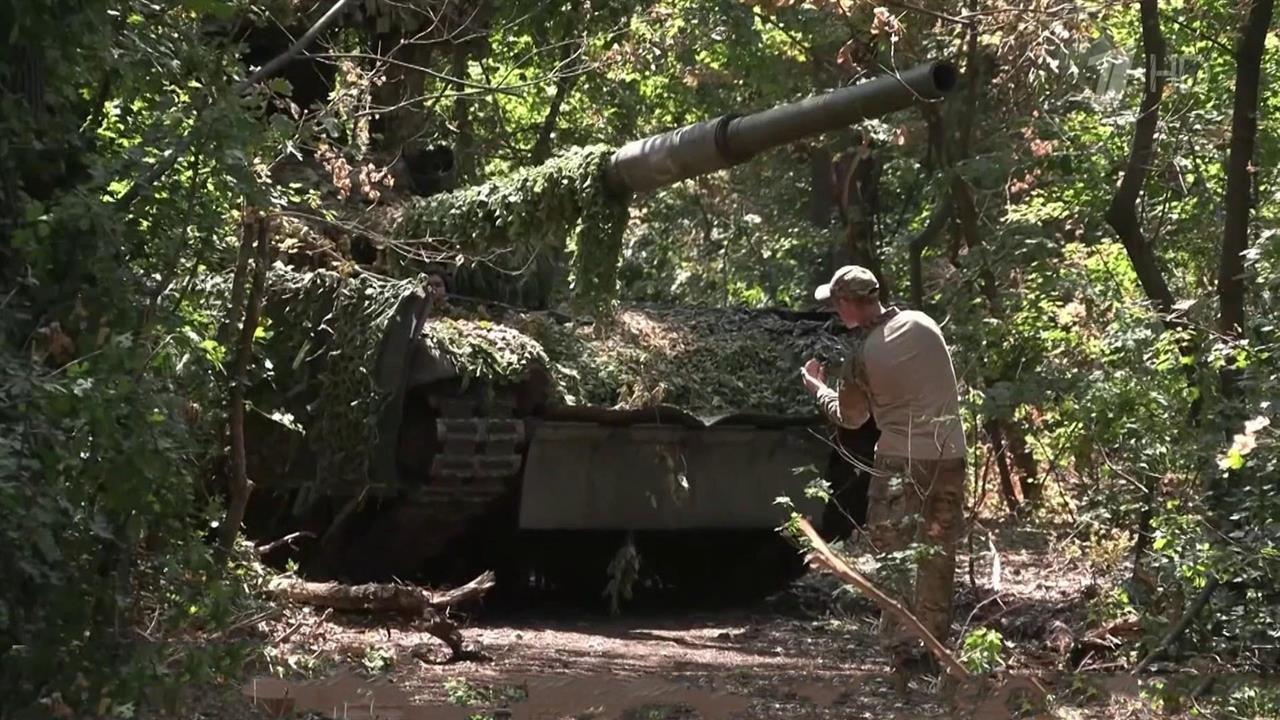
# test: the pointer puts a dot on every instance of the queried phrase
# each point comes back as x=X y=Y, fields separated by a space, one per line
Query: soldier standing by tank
x=899 y=370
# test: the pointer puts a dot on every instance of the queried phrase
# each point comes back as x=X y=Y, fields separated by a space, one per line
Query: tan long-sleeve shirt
x=903 y=376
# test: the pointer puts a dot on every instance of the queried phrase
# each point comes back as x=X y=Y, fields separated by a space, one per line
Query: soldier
x=899 y=370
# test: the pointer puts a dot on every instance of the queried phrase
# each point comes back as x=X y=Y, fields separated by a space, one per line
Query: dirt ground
x=807 y=652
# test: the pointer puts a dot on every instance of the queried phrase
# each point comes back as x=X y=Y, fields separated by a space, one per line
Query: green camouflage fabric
x=313 y=378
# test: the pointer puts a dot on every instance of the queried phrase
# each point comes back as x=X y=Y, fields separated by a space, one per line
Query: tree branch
x=255 y=227
x=1177 y=630
x=823 y=558
x=171 y=158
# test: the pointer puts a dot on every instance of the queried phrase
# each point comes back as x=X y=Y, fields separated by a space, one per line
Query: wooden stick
x=823 y=558
x=1181 y=627
x=286 y=540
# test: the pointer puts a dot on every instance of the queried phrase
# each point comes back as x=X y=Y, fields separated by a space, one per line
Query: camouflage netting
x=316 y=371
x=707 y=361
x=520 y=226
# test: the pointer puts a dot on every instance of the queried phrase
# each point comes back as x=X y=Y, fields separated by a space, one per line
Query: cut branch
x=421 y=605
x=823 y=558
x=286 y=540
x=378 y=597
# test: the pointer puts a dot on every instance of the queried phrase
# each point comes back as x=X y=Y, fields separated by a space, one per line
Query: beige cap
x=850 y=281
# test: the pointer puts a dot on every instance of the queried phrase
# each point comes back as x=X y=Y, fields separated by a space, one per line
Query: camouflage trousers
x=921 y=506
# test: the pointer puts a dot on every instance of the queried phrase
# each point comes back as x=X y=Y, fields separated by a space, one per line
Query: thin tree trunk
x=938 y=217
x=1122 y=213
x=1244 y=133
x=564 y=85
x=465 y=144
x=1009 y=488
x=859 y=189
x=937 y=222
x=1024 y=460
x=821 y=187
x=402 y=92
x=255 y=228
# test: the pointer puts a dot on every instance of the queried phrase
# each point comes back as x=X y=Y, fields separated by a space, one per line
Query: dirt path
x=808 y=652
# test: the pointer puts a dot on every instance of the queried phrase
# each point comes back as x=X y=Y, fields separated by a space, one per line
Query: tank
x=428 y=442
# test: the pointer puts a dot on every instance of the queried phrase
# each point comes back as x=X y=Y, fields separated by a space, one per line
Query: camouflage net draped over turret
x=707 y=361
x=316 y=368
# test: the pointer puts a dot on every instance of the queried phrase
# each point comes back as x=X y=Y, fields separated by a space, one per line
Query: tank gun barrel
x=701 y=148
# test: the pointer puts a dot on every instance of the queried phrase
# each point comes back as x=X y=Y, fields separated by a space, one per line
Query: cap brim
x=823 y=293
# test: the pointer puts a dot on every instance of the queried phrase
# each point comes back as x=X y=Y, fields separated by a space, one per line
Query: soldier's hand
x=814 y=375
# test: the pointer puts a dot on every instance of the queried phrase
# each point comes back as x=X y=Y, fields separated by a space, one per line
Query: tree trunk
x=1009 y=488
x=937 y=222
x=1244 y=132
x=255 y=228
x=858 y=195
x=941 y=214
x=1122 y=213
x=1024 y=460
x=1122 y=216
x=401 y=93
x=821 y=188
x=564 y=85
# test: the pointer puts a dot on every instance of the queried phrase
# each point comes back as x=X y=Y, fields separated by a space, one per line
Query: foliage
x=462 y=692
x=112 y=371
x=981 y=650
x=111 y=392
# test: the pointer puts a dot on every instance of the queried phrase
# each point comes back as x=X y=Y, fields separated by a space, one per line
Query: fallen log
x=377 y=597
x=420 y=605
